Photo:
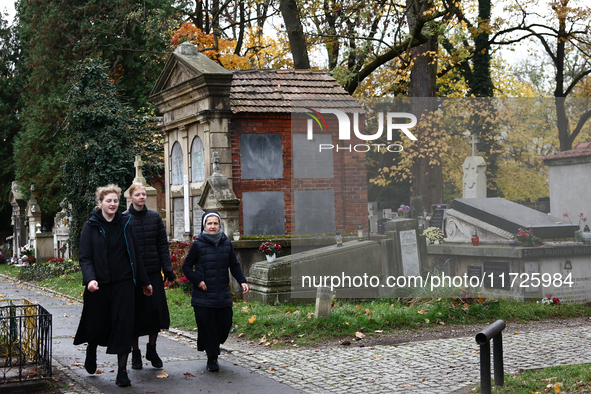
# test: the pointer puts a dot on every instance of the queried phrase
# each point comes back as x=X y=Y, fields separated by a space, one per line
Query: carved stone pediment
x=460 y=228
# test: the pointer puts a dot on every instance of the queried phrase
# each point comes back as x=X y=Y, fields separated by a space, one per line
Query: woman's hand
x=93 y=286
x=202 y=286
x=147 y=290
x=244 y=288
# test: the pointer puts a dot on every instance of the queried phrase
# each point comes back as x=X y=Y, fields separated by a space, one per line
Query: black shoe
x=90 y=362
x=153 y=356
x=212 y=365
x=122 y=379
x=136 y=359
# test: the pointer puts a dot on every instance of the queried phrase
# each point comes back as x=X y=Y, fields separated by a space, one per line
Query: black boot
x=136 y=359
x=212 y=363
x=153 y=356
x=122 y=379
x=90 y=362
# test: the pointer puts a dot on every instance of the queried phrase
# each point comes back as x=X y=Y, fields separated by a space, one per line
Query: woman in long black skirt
x=151 y=312
x=206 y=267
x=111 y=269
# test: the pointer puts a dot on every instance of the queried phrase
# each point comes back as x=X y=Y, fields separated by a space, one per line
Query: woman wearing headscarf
x=206 y=267
x=151 y=313
x=111 y=269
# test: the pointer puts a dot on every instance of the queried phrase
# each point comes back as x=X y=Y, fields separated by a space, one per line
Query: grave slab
x=510 y=216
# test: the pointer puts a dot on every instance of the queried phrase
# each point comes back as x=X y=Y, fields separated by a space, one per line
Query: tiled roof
x=279 y=90
x=581 y=149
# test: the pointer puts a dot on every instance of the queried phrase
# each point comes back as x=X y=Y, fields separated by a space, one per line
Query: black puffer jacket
x=153 y=243
x=93 y=253
x=209 y=263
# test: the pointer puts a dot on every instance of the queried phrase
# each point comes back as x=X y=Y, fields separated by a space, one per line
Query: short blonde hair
x=134 y=186
x=102 y=191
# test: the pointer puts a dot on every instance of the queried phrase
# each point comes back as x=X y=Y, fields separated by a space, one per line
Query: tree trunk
x=427 y=179
x=295 y=33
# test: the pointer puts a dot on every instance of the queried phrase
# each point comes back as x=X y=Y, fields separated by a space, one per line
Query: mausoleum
x=278 y=178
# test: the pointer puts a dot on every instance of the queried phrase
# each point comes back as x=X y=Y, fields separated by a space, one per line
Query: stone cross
x=473 y=142
x=138 y=163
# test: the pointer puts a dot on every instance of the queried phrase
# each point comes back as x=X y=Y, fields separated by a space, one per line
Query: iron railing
x=25 y=341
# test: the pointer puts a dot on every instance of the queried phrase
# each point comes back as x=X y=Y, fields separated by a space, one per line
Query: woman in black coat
x=111 y=269
x=206 y=267
x=151 y=312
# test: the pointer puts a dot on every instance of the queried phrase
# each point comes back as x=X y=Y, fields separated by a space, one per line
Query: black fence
x=25 y=341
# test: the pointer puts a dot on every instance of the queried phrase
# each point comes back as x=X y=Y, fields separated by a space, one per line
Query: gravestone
x=372 y=217
x=151 y=192
x=323 y=302
x=261 y=156
x=437 y=220
x=409 y=248
x=263 y=213
x=308 y=162
x=314 y=211
x=474 y=182
x=178 y=212
x=510 y=217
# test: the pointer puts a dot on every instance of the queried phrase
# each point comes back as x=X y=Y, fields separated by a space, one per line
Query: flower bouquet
x=549 y=300
x=434 y=235
x=270 y=250
x=527 y=237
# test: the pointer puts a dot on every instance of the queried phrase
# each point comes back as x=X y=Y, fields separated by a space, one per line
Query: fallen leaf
x=377 y=356
x=263 y=361
x=252 y=319
x=271 y=368
x=466 y=306
x=371 y=378
x=421 y=312
x=275 y=341
x=410 y=386
x=241 y=335
x=296 y=312
x=189 y=375
x=366 y=312
x=347 y=323
x=358 y=307
x=442 y=323
x=516 y=332
x=547 y=380
x=346 y=343
x=557 y=386
x=359 y=335
x=78 y=364
x=423 y=379
x=99 y=371
x=244 y=308
x=427 y=321
x=309 y=315
x=379 y=331
x=162 y=375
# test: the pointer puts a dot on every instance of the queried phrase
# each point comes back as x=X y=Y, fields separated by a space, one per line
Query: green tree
x=130 y=36
x=9 y=111
x=99 y=142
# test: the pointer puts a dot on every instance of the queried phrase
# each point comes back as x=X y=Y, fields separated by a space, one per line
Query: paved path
x=438 y=366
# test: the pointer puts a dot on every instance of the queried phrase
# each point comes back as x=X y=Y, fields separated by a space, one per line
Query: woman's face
x=138 y=198
x=110 y=204
x=212 y=225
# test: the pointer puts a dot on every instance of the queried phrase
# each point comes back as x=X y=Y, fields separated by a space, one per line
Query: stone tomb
x=496 y=220
x=500 y=271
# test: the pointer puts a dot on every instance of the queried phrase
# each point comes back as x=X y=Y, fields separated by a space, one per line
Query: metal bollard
x=494 y=332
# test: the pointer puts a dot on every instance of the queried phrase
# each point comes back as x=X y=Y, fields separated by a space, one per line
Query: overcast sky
x=7 y=6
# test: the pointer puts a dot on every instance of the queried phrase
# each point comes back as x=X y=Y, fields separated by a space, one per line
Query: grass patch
x=564 y=378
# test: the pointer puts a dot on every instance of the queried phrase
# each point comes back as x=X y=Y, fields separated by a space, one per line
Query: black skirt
x=107 y=317
x=213 y=327
x=151 y=313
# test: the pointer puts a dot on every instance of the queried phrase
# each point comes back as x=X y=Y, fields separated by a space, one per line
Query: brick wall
x=349 y=182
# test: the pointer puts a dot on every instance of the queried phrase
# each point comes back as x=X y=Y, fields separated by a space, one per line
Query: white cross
x=473 y=141
x=138 y=163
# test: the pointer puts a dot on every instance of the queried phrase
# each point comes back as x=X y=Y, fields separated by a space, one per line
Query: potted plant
x=527 y=237
x=29 y=253
x=270 y=250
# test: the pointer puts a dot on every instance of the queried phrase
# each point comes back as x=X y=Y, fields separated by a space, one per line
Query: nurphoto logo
x=345 y=129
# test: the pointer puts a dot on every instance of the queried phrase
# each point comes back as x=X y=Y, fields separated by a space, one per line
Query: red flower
x=555 y=300
x=173 y=259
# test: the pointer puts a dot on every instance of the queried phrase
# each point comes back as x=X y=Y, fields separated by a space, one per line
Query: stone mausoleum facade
x=284 y=183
